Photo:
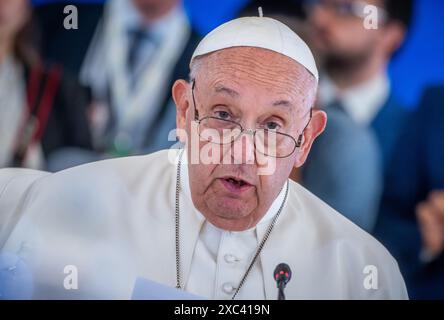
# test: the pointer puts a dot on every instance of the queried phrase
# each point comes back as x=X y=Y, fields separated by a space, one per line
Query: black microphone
x=282 y=275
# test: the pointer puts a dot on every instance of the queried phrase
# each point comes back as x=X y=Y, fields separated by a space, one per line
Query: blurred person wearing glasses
x=354 y=81
x=42 y=109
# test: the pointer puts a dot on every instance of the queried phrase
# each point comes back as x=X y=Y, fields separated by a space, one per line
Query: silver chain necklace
x=258 y=251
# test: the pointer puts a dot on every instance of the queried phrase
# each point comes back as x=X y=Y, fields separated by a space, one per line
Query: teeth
x=237 y=182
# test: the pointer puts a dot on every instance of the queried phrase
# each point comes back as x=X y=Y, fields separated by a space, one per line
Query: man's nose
x=243 y=150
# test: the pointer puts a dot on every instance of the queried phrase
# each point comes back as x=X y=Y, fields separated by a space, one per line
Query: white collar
x=362 y=102
x=185 y=186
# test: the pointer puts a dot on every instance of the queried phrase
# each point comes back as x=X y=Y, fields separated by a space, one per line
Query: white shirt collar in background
x=362 y=102
x=132 y=20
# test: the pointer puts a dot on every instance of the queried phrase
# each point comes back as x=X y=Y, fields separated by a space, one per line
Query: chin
x=229 y=208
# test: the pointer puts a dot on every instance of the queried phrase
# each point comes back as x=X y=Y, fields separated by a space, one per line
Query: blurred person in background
x=355 y=83
x=355 y=58
x=41 y=108
x=411 y=222
x=290 y=12
x=136 y=49
x=346 y=149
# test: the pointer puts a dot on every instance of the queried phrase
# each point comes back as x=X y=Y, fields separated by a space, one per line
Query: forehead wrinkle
x=259 y=72
x=255 y=58
x=294 y=99
x=283 y=85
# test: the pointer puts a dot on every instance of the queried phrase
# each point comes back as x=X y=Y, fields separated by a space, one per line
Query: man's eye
x=272 y=126
x=222 y=115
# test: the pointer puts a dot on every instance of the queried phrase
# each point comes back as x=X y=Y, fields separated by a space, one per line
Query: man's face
x=338 y=35
x=154 y=8
x=257 y=88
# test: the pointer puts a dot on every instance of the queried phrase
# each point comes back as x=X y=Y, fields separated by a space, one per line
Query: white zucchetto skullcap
x=260 y=32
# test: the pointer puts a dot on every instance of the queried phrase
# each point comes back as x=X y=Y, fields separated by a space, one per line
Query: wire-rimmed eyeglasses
x=268 y=142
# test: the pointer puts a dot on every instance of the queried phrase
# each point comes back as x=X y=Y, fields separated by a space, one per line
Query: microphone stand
x=281 y=287
x=282 y=275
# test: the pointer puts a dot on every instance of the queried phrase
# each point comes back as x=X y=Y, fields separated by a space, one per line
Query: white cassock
x=114 y=221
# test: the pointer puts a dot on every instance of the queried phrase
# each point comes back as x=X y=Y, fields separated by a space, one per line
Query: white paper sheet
x=145 y=289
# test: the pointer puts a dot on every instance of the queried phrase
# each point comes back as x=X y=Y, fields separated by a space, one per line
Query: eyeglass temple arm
x=196 y=113
x=299 y=141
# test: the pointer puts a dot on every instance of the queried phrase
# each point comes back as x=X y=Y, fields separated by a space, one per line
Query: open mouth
x=235 y=185
x=238 y=183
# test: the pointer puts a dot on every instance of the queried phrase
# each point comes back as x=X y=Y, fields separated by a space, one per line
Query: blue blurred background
x=418 y=65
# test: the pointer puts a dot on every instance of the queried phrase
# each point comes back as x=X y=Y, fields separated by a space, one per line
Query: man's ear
x=313 y=130
x=393 y=37
x=179 y=93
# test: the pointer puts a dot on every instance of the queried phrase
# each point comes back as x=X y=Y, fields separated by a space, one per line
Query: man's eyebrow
x=282 y=102
x=222 y=89
x=233 y=93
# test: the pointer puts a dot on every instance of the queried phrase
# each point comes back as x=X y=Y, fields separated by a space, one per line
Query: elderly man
x=214 y=218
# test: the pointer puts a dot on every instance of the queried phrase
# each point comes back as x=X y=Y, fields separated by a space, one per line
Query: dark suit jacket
x=67 y=124
x=59 y=104
x=417 y=167
x=347 y=163
x=388 y=125
x=67 y=47
x=344 y=169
